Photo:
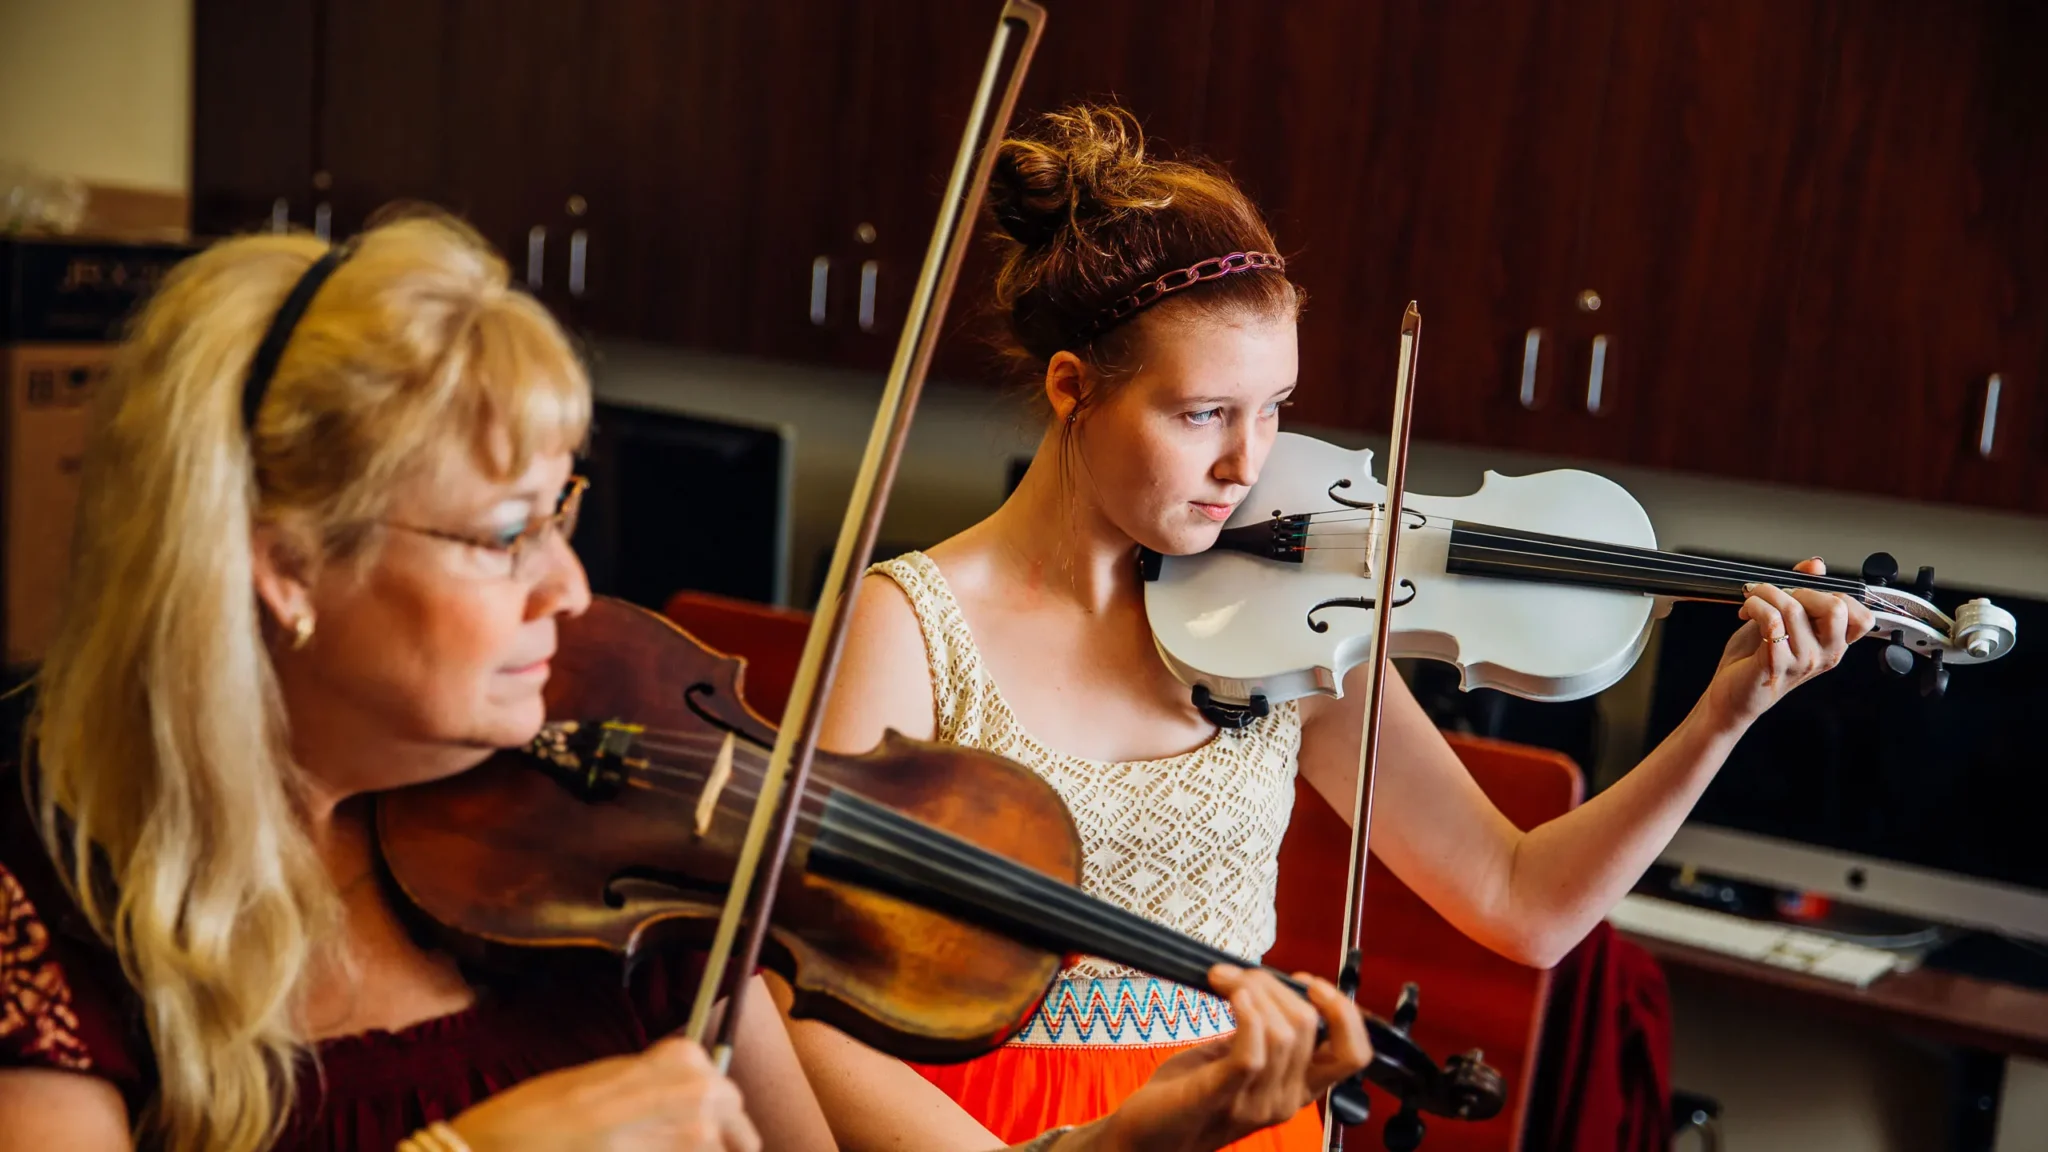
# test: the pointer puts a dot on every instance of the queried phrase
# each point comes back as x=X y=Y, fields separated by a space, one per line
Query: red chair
x=769 y=639
x=1471 y=997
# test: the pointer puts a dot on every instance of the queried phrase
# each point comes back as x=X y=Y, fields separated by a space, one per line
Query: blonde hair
x=166 y=787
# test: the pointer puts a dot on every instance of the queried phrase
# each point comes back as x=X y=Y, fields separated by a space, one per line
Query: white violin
x=1543 y=586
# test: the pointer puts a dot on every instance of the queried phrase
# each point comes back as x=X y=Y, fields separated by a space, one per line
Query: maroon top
x=64 y=1004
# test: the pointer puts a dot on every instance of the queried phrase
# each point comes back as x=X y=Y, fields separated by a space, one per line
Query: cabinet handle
x=536 y=254
x=821 y=276
x=1597 y=376
x=323 y=220
x=1987 y=429
x=579 y=252
x=280 y=214
x=870 y=271
x=1532 y=348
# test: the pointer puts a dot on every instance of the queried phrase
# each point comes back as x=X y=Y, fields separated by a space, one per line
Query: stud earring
x=302 y=631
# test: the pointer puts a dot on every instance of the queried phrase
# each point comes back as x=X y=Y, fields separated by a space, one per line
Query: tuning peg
x=1880 y=568
x=1933 y=677
x=1898 y=659
x=1923 y=584
x=1404 y=1129
x=1407 y=1006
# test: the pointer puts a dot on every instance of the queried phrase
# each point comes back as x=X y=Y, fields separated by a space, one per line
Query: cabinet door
x=713 y=153
x=383 y=118
x=252 y=114
x=1678 y=317
x=516 y=80
x=1920 y=271
x=916 y=64
x=1434 y=152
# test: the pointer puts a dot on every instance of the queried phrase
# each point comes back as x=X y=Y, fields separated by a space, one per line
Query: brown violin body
x=514 y=853
x=927 y=902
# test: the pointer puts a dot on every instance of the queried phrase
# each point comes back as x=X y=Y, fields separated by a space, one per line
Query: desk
x=1955 y=1009
x=2003 y=1026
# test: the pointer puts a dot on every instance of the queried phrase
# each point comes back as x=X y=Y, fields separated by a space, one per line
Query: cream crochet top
x=1190 y=841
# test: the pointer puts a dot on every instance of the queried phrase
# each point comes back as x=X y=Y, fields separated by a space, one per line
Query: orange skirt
x=1019 y=1091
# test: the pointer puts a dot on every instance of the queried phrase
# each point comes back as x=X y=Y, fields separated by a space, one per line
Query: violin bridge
x=1374 y=523
x=721 y=771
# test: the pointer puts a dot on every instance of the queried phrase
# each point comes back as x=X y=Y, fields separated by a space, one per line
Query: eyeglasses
x=509 y=554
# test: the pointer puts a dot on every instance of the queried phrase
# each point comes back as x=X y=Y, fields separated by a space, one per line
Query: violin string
x=1052 y=901
x=1098 y=927
x=937 y=861
x=1440 y=524
x=1627 y=565
x=1734 y=570
x=1093 y=924
x=993 y=877
x=1722 y=586
x=1639 y=560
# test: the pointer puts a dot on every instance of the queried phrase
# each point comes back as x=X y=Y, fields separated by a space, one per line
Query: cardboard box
x=64 y=304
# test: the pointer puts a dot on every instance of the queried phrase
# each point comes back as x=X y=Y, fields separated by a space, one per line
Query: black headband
x=264 y=364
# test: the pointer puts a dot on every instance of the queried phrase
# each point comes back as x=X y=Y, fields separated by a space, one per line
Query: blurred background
x=1780 y=267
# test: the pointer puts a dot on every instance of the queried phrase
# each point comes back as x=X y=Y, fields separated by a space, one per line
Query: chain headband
x=1150 y=293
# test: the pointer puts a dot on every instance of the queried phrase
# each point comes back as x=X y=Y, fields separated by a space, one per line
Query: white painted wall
x=98 y=89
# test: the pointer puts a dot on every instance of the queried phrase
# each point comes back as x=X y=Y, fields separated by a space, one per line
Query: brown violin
x=925 y=905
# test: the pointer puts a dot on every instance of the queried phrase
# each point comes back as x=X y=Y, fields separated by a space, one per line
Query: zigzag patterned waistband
x=1135 y=1013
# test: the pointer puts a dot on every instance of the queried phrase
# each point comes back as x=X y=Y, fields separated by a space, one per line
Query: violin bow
x=751 y=897
x=1385 y=547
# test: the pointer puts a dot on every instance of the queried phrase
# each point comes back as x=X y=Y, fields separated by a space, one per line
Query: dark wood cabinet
x=712 y=146
x=1398 y=156
x=1700 y=176
x=1789 y=241
x=384 y=127
x=253 y=123
x=1920 y=273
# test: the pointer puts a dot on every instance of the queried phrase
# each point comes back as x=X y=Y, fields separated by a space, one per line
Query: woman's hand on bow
x=1272 y=1067
x=669 y=1097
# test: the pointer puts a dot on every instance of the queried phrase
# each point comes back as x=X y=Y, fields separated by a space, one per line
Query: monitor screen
x=685 y=502
x=1858 y=761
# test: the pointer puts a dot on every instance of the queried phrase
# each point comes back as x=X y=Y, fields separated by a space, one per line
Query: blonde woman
x=322 y=552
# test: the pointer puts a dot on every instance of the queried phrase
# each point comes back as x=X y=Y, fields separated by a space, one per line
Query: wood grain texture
x=253 y=126
x=1913 y=281
x=505 y=855
x=1406 y=151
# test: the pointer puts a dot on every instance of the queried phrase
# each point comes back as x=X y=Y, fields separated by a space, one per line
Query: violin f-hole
x=1315 y=625
x=1409 y=517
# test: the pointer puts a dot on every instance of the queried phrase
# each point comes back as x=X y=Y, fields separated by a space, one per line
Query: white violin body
x=1543 y=586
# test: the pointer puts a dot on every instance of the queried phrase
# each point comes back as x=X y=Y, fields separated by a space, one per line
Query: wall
x=1789 y=1082
x=98 y=89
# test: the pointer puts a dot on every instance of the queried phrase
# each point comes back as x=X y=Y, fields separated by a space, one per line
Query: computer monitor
x=680 y=502
x=1857 y=786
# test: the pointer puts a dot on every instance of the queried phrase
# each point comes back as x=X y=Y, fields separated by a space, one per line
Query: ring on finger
x=1774 y=639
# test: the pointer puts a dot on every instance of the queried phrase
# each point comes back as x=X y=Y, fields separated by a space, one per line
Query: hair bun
x=1076 y=165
